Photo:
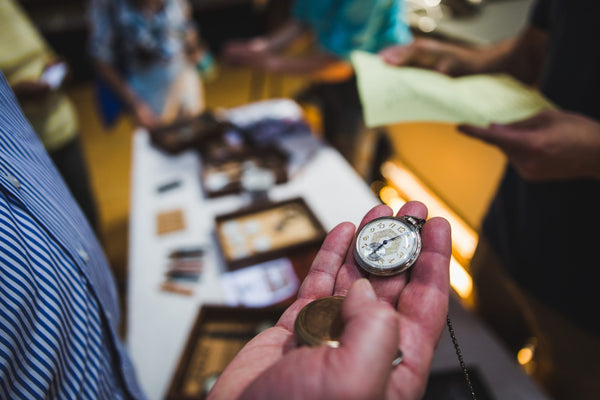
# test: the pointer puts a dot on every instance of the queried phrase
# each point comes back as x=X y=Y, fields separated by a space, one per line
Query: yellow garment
x=23 y=56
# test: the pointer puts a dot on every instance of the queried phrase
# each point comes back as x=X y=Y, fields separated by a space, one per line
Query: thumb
x=370 y=334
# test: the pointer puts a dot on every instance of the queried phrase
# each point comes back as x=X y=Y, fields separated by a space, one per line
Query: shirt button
x=83 y=254
x=15 y=182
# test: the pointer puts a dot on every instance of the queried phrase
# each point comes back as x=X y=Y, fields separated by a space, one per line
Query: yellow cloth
x=23 y=56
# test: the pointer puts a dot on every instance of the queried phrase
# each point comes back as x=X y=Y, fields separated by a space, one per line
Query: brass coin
x=320 y=322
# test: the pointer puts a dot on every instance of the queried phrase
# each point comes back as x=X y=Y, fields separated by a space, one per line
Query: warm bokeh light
x=410 y=187
x=460 y=280
x=392 y=198
x=403 y=186
x=525 y=355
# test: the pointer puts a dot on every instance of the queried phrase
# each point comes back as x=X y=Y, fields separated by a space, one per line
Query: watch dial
x=386 y=245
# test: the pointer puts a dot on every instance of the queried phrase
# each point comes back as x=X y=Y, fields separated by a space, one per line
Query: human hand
x=31 y=90
x=406 y=311
x=243 y=52
x=144 y=116
x=432 y=54
x=268 y=62
x=552 y=145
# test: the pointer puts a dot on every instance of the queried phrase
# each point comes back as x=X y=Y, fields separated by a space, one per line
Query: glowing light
x=525 y=355
x=390 y=196
x=460 y=280
x=464 y=238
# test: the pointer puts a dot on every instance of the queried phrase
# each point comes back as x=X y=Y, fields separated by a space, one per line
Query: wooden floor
x=109 y=151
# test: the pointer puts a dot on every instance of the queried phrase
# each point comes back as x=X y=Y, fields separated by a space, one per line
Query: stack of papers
x=392 y=94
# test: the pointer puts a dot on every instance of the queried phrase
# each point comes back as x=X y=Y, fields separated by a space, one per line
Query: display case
x=268 y=231
x=217 y=335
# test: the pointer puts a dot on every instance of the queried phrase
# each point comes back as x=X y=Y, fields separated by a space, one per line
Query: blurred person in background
x=536 y=259
x=338 y=28
x=25 y=60
x=148 y=54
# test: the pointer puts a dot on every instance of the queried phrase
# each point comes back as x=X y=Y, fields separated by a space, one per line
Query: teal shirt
x=342 y=26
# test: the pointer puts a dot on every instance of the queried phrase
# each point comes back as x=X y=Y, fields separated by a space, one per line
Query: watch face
x=387 y=245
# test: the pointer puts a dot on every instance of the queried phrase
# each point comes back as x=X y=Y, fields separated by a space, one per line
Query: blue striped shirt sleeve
x=58 y=302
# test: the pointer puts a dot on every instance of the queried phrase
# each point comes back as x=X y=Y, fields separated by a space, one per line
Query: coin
x=320 y=322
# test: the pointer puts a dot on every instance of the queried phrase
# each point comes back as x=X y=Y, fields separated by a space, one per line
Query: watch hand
x=386 y=241
x=394 y=238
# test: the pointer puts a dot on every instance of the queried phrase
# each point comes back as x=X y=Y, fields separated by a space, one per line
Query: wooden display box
x=268 y=231
x=187 y=133
x=217 y=335
x=223 y=175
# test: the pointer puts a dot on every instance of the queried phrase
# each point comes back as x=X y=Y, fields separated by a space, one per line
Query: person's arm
x=382 y=315
x=282 y=37
x=141 y=111
x=103 y=39
x=248 y=51
x=553 y=145
x=267 y=53
x=521 y=56
x=306 y=64
x=39 y=89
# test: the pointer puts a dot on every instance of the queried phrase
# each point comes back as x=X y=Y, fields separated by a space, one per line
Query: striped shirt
x=58 y=302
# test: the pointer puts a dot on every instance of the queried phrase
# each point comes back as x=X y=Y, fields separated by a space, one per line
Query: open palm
x=381 y=315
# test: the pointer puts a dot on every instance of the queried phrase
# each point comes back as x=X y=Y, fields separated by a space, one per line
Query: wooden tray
x=217 y=335
x=267 y=231
x=222 y=176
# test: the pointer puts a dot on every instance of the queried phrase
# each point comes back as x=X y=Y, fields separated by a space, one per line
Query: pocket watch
x=388 y=245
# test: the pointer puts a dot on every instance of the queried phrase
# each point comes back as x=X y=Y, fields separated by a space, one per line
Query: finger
x=424 y=300
x=321 y=278
x=388 y=288
x=507 y=133
x=423 y=306
x=445 y=66
x=533 y=122
x=397 y=55
x=499 y=135
x=349 y=271
x=370 y=338
x=320 y=281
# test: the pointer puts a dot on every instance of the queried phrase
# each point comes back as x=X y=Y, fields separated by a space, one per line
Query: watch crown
x=417 y=222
